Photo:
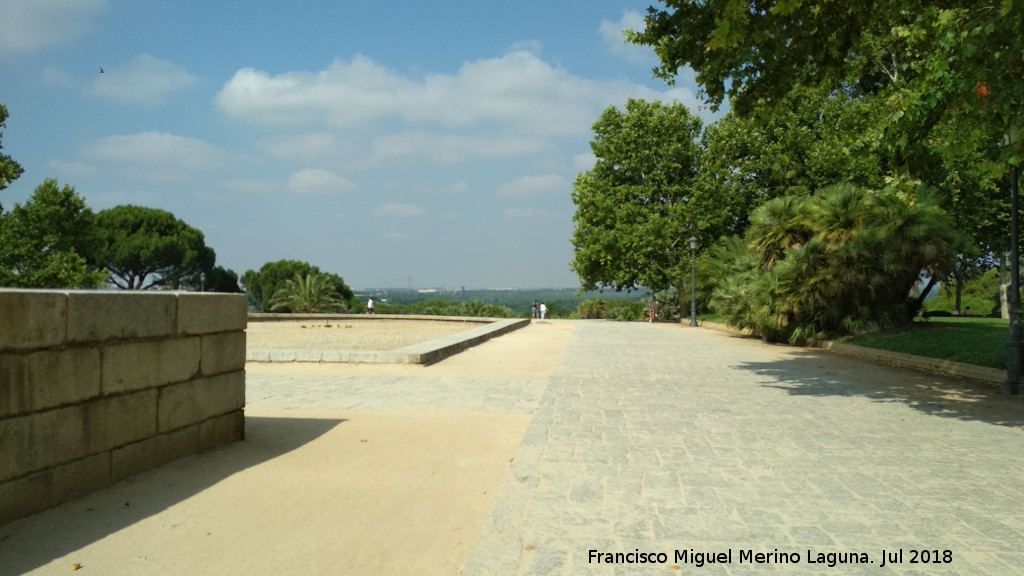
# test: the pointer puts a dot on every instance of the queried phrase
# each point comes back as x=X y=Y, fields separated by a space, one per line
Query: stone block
x=95 y=316
x=47 y=488
x=222 y=430
x=192 y=402
x=32 y=319
x=153 y=452
x=140 y=365
x=48 y=378
x=208 y=313
x=35 y=441
x=115 y=421
x=223 y=352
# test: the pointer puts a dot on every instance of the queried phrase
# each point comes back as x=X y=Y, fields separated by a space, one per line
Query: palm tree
x=310 y=293
x=776 y=225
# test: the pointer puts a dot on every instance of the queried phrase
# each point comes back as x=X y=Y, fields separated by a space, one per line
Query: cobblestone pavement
x=666 y=439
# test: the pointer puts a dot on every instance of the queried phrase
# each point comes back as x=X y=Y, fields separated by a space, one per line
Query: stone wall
x=98 y=385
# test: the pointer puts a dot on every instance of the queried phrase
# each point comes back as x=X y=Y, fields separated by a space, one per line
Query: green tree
x=933 y=62
x=145 y=248
x=216 y=279
x=261 y=286
x=307 y=293
x=632 y=217
x=9 y=169
x=43 y=242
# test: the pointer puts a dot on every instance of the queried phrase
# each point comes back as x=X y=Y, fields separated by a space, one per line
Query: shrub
x=626 y=311
x=592 y=309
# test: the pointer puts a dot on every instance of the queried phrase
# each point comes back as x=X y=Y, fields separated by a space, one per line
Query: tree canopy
x=145 y=248
x=932 y=61
x=9 y=169
x=43 y=242
x=263 y=285
x=632 y=218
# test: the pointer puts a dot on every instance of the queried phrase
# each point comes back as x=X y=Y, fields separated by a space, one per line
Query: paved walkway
x=657 y=439
x=661 y=439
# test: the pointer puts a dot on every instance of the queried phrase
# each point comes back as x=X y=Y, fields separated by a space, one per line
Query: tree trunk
x=920 y=299
x=959 y=292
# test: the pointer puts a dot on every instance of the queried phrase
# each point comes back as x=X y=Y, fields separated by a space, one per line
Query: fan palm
x=310 y=293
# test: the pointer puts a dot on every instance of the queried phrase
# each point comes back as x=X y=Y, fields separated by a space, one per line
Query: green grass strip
x=979 y=341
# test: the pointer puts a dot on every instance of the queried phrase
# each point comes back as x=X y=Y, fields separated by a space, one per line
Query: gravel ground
x=349 y=334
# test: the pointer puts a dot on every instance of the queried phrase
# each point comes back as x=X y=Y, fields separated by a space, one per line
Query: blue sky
x=382 y=141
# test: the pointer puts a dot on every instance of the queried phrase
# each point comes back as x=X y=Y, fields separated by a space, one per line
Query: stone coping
x=422 y=353
x=897 y=359
x=271 y=317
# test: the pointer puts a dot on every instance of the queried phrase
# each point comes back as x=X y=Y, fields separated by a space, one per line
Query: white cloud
x=145 y=80
x=526 y=214
x=159 y=156
x=447 y=148
x=517 y=93
x=615 y=41
x=583 y=162
x=71 y=171
x=534 y=186
x=398 y=210
x=315 y=182
x=56 y=77
x=30 y=25
x=248 y=186
x=317 y=148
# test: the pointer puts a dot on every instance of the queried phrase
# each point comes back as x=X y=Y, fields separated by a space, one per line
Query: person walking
x=536 y=311
x=543 y=310
x=369 y=306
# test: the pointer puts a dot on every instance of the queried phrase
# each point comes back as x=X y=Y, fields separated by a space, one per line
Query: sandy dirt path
x=349 y=334
x=312 y=490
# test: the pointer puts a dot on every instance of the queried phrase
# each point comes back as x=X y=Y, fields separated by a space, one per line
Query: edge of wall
x=99 y=385
x=423 y=353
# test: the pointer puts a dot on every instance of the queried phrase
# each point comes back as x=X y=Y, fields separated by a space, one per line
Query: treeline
x=850 y=169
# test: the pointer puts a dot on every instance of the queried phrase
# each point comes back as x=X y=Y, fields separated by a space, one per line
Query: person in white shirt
x=543 y=310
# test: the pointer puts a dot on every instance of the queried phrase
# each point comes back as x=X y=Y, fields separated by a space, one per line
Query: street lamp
x=1013 y=343
x=202 y=281
x=693 y=282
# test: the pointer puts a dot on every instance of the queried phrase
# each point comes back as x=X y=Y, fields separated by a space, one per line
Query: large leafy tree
x=145 y=248
x=263 y=285
x=933 y=61
x=43 y=242
x=814 y=140
x=9 y=169
x=632 y=216
x=216 y=279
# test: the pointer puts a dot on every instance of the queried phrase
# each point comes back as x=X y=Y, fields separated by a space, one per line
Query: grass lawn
x=980 y=341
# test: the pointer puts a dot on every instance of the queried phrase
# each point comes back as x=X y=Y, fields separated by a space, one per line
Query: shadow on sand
x=811 y=373
x=31 y=542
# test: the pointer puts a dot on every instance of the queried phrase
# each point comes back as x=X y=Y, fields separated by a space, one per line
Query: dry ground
x=314 y=490
x=350 y=334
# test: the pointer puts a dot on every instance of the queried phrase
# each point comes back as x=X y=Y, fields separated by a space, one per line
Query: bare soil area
x=349 y=334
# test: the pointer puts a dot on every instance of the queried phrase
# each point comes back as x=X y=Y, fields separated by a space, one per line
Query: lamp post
x=1013 y=344
x=202 y=281
x=693 y=282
